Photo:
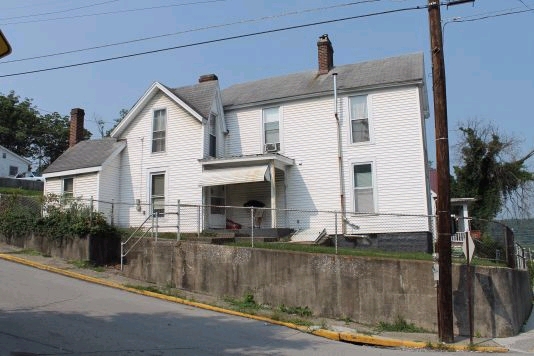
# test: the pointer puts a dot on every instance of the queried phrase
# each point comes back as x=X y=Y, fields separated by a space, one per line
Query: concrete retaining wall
x=99 y=250
x=368 y=290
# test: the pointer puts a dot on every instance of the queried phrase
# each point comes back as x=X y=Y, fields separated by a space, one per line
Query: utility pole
x=445 y=313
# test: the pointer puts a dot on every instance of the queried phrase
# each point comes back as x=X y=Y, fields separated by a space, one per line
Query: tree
x=122 y=115
x=23 y=130
x=491 y=171
x=18 y=122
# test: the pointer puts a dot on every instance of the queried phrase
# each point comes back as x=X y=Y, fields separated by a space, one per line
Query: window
x=13 y=170
x=271 y=129
x=157 y=193
x=158 y=130
x=213 y=135
x=363 y=188
x=359 y=119
x=68 y=187
x=4 y=155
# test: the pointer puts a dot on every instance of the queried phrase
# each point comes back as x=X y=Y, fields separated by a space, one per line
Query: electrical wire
x=214 y=41
x=113 y=12
x=59 y=11
x=258 y=19
x=251 y=34
x=484 y=17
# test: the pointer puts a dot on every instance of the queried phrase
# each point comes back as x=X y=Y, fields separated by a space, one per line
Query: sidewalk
x=329 y=328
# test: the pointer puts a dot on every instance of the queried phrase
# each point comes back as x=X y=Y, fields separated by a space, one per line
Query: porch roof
x=247 y=174
x=279 y=161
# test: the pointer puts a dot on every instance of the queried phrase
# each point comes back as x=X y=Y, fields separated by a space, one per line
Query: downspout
x=340 y=161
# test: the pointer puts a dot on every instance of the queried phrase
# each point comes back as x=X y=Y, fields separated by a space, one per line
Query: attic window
x=159 y=124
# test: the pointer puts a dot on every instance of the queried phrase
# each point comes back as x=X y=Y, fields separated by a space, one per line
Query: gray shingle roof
x=394 y=70
x=85 y=154
x=198 y=96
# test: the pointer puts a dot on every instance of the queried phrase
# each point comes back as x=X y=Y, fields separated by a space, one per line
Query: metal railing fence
x=493 y=241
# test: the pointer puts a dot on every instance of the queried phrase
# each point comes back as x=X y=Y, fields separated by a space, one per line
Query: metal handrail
x=123 y=243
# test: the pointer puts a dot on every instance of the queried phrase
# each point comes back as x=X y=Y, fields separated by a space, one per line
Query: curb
x=354 y=338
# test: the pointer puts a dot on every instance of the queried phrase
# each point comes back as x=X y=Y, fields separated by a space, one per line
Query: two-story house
x=347 y=138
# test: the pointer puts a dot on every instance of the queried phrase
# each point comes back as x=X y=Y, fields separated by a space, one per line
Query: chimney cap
x=207 y=78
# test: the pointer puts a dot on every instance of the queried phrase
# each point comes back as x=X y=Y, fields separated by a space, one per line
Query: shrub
x=67 y=220
x=17 y=216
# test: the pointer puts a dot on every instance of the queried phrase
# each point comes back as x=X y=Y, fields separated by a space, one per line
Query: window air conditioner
x=272 y=147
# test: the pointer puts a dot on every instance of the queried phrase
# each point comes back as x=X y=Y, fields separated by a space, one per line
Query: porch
x=256 y=183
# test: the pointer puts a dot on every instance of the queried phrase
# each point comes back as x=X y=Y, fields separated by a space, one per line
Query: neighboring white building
x=11 y=163
x=274 y=140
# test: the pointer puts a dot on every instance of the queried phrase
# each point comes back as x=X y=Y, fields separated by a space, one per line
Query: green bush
x=17 y=219
x=68 y=220
x=60 y=220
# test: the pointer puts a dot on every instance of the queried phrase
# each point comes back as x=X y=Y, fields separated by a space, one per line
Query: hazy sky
x=489 y=52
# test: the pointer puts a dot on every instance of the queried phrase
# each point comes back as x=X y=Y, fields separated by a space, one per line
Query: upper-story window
x=159 y=124
x=271 y=129
x=359 y=119
x=212 y=135
x=364 y=201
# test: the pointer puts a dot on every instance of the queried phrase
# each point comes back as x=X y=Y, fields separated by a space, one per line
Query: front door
x=217 y=215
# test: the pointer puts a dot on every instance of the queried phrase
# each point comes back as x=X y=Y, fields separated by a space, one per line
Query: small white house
x=11 y=163
x=347 y=138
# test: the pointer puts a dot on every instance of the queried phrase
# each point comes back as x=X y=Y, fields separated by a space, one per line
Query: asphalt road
x=48 y=314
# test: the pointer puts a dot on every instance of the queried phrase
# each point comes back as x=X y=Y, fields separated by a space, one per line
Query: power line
x=32 y=5
x=263 y=18
x=217 y=40
x=113 y=12
x=59 y=11
x=487 y=15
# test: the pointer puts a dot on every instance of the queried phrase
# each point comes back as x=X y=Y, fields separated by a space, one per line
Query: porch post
x=273 y=195
x=465 y=215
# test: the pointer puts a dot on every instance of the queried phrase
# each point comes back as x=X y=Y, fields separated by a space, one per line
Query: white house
x=11 y=163
x=347 y=138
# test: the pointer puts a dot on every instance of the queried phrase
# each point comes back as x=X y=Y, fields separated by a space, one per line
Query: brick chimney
x=76 y=126
x=207 y=78
x=325 y=53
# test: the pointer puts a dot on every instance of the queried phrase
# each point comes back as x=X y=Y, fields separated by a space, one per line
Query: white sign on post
x=468 y=240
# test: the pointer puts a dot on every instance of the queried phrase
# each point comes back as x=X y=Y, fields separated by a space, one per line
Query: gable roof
x=199 y=96
x=406 y=69
x=195 y=99
x=88 y=156
x=16 y=155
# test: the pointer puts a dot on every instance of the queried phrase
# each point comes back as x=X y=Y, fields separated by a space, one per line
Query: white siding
x=179 y=162
x=309 y=136
x=11 y=160
x=397 y=153
x=109 y=189
x=244 y=137
x=53 y=186
x=86 y=186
